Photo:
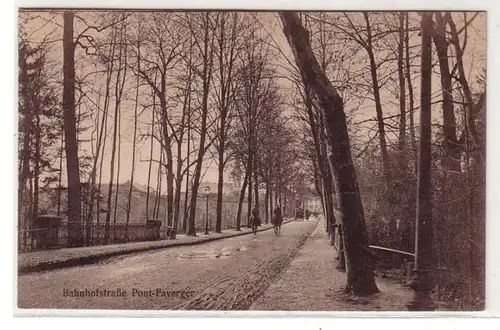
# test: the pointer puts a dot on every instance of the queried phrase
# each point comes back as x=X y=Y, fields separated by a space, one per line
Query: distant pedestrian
x=255 y=219
x=277 y=220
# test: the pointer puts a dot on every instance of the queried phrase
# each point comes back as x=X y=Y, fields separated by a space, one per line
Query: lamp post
x=207 y=193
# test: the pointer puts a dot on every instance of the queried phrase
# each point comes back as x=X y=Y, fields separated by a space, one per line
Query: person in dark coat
x=277 y=220
x=255 y=219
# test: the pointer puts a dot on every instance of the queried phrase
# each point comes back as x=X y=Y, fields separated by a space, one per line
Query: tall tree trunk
x=332 y=201
x=256 y=192
x=167 y=147
x=206 y=78
x=83 y=188
x=59 y=185
x=462 y=78
x=378 y=102
x=225 y=94
x=118 y=118
x=402 y=157
x=360 y=277
x=28 y=224
x=271 y=208
x=220 y=189
x=266 y=203
x=177 y=197
x=159 y=198
x=170 y=186
x=329 y=193
x=155 y=199
x=240 y=201
x=421 y=282
x=27 y=127
x=36 y=178
x=381 y=127
x=100 y=144
x=402 y=89
x=36 y=160
x=178 y=182
x=196 y=182
x=118 y=92
x=250 y=192
x=186 y=193
x=101 y=163
x=117 y=193
x=148 y=189
x=105 y=131
x=134 y=141
x=410 y=90
x=75 y=234
x=180 y=142
x=280 y=199
x=316 y=129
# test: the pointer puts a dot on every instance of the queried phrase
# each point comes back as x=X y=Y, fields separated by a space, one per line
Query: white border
x=264 y=4
x=8 y=122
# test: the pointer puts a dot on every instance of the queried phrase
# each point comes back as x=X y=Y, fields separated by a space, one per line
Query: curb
x=93 y=259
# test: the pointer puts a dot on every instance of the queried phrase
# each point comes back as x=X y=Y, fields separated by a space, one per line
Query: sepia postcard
x=181 y=160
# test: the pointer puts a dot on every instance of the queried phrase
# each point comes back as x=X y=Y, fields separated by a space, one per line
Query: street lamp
x=207 y=193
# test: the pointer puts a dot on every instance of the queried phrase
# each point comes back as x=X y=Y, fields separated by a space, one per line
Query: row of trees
x=347 y=62
x=188 y=89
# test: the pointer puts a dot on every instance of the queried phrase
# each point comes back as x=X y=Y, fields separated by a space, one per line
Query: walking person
x=255 y=219
x=277 y=220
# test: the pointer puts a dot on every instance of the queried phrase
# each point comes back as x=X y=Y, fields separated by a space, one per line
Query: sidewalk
x=312 y=283
x=37 y=261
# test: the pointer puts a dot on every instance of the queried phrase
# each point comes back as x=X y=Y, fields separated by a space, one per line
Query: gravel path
x=312 y=283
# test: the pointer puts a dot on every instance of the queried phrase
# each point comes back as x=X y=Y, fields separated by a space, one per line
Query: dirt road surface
x=224 y=275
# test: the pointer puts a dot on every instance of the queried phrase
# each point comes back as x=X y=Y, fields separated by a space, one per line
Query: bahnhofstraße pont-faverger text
x=134 y=292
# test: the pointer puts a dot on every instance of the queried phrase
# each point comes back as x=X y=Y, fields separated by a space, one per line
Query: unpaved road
x=224 y=275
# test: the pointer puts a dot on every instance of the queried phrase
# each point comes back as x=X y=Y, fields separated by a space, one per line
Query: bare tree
x=101 y=133
x=163 y=41
x=206 y=49
x=151 y=148
x=75 y=237
x=255 y=81
x=360 y=277
x=134 y=139
x=226 y=54
x=451 y=143
x=119 y=85
x=26 y=128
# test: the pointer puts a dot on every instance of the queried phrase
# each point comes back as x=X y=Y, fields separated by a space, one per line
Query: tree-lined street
x=138 y=126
